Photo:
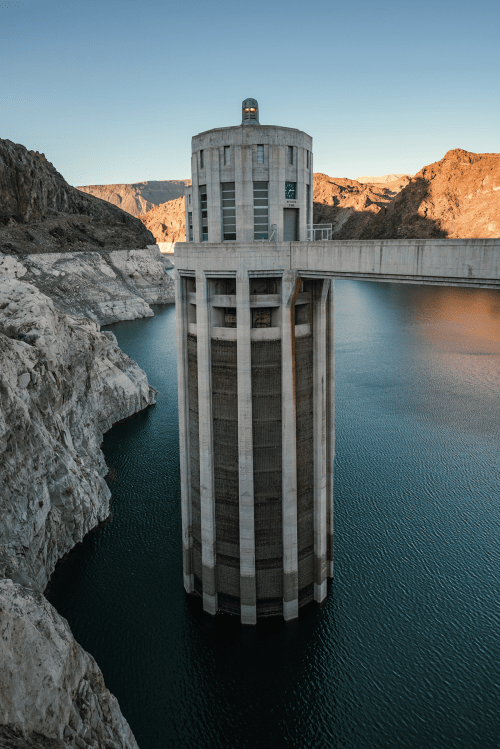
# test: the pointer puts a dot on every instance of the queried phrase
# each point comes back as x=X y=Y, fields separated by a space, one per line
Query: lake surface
x=406 y=650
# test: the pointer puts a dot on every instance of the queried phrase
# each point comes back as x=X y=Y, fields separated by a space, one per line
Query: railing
x=319 y=232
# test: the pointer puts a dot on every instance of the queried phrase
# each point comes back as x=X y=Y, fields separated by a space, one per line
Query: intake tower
x=256 y=377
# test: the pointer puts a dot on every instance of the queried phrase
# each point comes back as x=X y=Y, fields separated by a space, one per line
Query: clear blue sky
x=112 y=91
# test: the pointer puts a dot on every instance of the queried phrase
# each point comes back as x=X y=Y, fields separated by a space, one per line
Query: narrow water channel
x=405 y=651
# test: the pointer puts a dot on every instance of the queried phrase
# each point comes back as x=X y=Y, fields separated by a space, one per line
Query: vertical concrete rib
x=245 y=453
x=320 y=400
x=181 y=303
x=207 y=496
x=330 y=422
x=290 y=290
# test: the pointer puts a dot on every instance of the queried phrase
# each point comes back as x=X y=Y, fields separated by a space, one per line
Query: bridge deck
x=445 y=262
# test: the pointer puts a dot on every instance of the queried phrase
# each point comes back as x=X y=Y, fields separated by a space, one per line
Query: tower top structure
x=250 y=112
x=250 y=182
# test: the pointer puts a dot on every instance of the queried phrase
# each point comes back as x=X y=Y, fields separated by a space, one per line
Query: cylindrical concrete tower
x=256 y=397
x=247 y=179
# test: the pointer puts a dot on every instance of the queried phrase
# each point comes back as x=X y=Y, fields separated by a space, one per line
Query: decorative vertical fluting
x=320 y=405
x=290 y=289
x=181 y=303
x=207 y=498
x=245 y=453
x=330 y=424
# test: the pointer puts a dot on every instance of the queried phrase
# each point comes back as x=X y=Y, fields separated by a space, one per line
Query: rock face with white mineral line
x=62 y=385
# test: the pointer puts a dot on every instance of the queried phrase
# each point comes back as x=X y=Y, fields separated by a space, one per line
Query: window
x=202 y=160
x=203 y=213
x=290 y=155
x=260 y=210
x=291 y=190
x=190 y=226
x=261 y=317
x=260 y=154
x=228 y=211
x=308 y=206
x=307 y=159
x=189 y=198
x=230 y=317
x=227 y=155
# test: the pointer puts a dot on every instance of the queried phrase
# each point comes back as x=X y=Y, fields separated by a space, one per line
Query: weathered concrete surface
x=104 y=287
x=62 y=385
x=455 y=262
x=309 y=266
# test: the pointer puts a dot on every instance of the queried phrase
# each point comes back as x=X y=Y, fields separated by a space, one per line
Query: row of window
x=228 y=204
x=260 y=156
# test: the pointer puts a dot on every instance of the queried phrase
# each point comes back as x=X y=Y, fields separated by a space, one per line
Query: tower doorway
x=290 y=224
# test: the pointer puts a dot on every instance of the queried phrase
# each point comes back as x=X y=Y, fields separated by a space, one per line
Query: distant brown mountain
x=349 y=205
x=167 y=222
x=383 y=180
x=140 y=197
x=456 y=197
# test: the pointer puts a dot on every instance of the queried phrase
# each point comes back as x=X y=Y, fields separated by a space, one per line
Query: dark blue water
x=406 y=650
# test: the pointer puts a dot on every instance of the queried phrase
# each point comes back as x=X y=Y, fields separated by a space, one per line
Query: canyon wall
x=40 y=212
x=103 y=286
x=63 y=384
x=140 y=197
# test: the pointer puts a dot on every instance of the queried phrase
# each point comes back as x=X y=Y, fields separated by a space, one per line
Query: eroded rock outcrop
x=40 y=212
x=53 y=692
x=167 y=222
x=349 y=205
x=456 y=197
x=103 y=286
x=62 y=385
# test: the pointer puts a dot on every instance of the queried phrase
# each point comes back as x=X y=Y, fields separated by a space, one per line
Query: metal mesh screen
x=266 y=418
x=225 y=436
x=305 y=459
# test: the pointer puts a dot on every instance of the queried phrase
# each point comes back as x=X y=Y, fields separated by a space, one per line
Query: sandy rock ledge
x=63 y=383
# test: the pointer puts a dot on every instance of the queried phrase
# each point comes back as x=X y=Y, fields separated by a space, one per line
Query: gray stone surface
x=52 y=690
x=53 y=493
x=103 y=286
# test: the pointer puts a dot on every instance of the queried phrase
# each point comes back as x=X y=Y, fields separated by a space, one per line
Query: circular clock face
x=290 y=190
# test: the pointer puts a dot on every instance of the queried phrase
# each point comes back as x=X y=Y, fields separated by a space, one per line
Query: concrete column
x=207 y=494
x=320 y=400
x=214 y=195
x=276 y=187
x=196 y=198
x=247 y=189
x=301 y=194
x=181 y=303
x=330 y=422
x=245 y=453
x=290 y=290
x=239 y=193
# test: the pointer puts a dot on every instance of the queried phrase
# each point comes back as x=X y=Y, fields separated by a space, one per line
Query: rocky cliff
x=456 y=197
x=103 y=286
x=348 y=205
x=140 y=197
x=167 y=222
x=40 y=212
x=62 y=384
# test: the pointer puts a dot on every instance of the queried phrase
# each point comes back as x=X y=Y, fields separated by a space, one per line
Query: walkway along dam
x=255 y=338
